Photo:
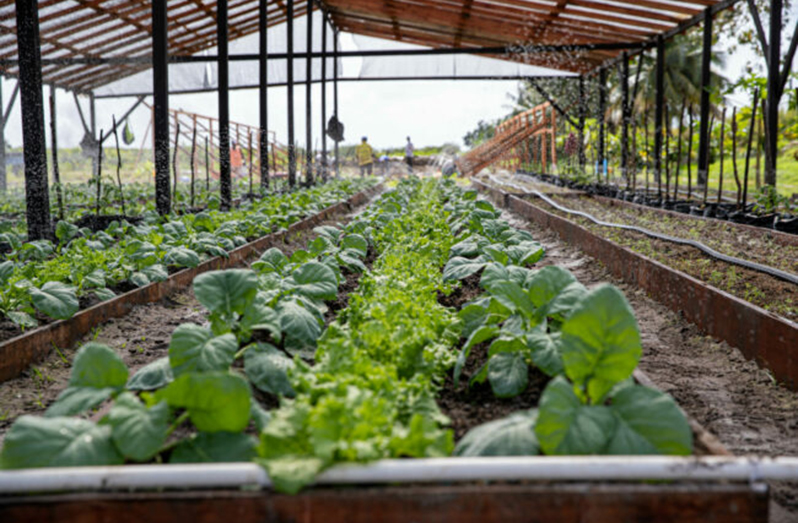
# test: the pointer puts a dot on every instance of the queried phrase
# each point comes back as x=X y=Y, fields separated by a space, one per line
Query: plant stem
x=179 y=421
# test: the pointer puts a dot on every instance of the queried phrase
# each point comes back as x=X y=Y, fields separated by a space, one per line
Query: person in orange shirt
x=236 y=161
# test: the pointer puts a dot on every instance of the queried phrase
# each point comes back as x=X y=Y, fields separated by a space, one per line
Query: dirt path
x=140 y=337
x=732 y=397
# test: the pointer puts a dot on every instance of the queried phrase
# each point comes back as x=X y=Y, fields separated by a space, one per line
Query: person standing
x=365 y=157
x=236 y=160
x=409 y=152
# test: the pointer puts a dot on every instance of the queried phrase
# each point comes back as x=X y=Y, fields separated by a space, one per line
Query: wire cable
x=776 y=273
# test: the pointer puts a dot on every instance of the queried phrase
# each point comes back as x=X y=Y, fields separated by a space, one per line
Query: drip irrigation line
x=776 y=273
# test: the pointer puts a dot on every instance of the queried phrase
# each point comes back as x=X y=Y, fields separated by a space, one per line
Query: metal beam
x=703 y=131
x=37 y=195
x=160 y=91
x=602 y=108
x=59 y=191
x=224 y=104
x=308 y=97
x=335 y=97
x=658 y=111
x=774 y=92
x=582 y=116
x=289 y=6
x=263 y=90
x=323 y=167
x=3 y=181
x=510 y=51
x=626 y=115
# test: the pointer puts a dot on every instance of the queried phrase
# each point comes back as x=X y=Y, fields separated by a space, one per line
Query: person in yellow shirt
x=365 y=157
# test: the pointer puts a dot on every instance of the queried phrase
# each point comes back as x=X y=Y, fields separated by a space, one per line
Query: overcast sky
x=431 y=112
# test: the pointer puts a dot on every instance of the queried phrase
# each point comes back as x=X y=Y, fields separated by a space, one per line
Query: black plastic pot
x=789 y=225
x=101 y=222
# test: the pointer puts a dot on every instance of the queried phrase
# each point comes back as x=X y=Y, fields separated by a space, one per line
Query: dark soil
x=467 y=291
x=468 y=407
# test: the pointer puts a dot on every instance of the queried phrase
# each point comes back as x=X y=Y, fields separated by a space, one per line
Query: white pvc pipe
x=443 y=470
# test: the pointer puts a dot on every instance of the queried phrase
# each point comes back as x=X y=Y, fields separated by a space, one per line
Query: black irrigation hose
x=776 y=273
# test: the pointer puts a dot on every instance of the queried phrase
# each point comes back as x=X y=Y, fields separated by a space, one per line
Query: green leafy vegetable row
x=281 y=303
x=50 y=278
x=370 y=390
x=588 y=341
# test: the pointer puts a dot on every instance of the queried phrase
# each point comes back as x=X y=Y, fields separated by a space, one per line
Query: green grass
x=786 y=177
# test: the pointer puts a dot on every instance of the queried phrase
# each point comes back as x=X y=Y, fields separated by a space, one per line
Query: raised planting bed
x=565 y=490
x=747 y=243
x=41 y=281
x=450 y=277
x=19 y=352
x=761 y=335
x=725 y=210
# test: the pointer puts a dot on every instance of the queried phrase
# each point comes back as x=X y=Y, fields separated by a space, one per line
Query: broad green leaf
x=261 y=317
x=195 y=349
x=649 y=422
x=481 y=334
x=298 y=323
x=467 y=248
x=459 y=268
x=75 y=400
x=472 y=317
x=152 y=376
x=137 y=431
x=267 y=369
x=97 y=372
x=65 y=231
x=94 y=280
x=156 y=272
x=315 y=280
x=496 y=272
x=104 y=294
x=215 y=447
x=273 y=259
x=139 y=279
x=97 y=365
x=23 y=319
x=56 y=300
x=545 y=350
x=566 y=426
x=182 y=257
x=512 y=296
x=600 y=342
x=525 y=253
x=513 y=435
x=355 y=242
x=508 y=374
x=226 y=292
x=6 y=271
x=57 y=442
x=554 y=290
x=215 y=401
